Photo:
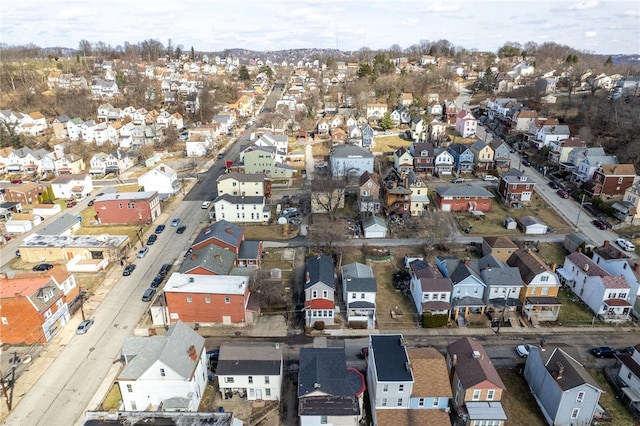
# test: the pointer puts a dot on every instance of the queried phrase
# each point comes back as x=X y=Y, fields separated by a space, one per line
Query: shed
x=374 y=227
x=531 y=225
x=576 y=240
x=509 y=223
x=18 y=226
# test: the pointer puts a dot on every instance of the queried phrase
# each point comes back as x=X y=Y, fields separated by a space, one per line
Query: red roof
x=616 y=302
x=319 y=304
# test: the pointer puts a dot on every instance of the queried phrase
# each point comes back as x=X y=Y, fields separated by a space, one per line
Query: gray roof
x=374 y=221
x=213 y=258
x=127 y=196
x=59 y=225
x=171 y=350
x=485 y=410
x=240 y=199
x=361 y=284
x=319 y=269
x=249 y=249
x=350 y=151
x=357 y=270
x=90 y=241
x=464 y=191
x=501 y=275
x=325 y=370
x=391 y=358
x=530 y=220
x=253 y=359
x=243 y=177
x=226 y=232
x=574 y=373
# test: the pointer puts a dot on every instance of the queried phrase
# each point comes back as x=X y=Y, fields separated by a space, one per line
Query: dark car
x=152 y=239
x=148 y=294
x=181 y=229
x=603 y=352
x=18 y=253
x=554 y=185
x=90 y=203
x=128 y=270
x=16 y=181
x=599 y=224
x=159 y=229
x=164 y=269
x=157 y=280
x=42 y=267
x=562 y=193
x=526 y=163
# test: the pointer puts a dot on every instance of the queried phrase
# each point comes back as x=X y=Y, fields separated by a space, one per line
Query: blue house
x=467 y=296
x=462 y=158
x=431 y=387
x=367 y=135
x=564 y=390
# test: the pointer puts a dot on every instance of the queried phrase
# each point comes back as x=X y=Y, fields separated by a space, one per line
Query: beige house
x=249 y=184
x=61 y=248
x=500 y=247
x=482 y=155
x=419 y=198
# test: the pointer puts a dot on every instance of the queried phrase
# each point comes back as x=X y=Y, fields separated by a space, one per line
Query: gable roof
x=324 y=370
x=472 y=364
x=216 y=259
x=529 y=264
x=464 y=191
x=319 y=269
x=171 y=350
x=226 y=232
x=249 y=359
x=574 y=374
x=430 y=373
x=500 y=242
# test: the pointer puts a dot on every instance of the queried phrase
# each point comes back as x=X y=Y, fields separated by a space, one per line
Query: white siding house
x=359 y=293
x=162 y=179
x=237 y=208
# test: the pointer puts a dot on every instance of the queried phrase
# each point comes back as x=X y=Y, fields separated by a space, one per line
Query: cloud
x=631 y=12
x=585 y=4
x=590 y=34
x=440 y=6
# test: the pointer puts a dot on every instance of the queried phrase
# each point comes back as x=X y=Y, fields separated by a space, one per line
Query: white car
x=523 y=350
x=490 y=178
x=205 y=205
x=625 y=244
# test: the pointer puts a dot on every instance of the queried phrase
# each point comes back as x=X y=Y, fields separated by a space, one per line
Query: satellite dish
x=282 y=220
x=190 y=395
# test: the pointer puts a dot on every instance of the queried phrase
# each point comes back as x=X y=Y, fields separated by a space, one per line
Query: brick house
x=128 y=207
x=209 y=299
x=610 y=179
x=35 y=305
x=423 y=157
x=26 y=193
x=515 y=188
x=463 y=198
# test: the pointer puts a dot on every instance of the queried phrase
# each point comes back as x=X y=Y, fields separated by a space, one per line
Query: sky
x=596 y=26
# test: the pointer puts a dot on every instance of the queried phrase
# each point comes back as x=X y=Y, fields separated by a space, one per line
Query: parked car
x=142 y=252
x=148 y=294
x=42 y=267
x=220 y=155
x=599 y=224
x=526 y=163
x=523 y=350
x=562 y=193
x=626 y=351
x=603 y=352
x=128 y=270
x=90 y=203
x=490 y=178
x=159 y=229
x=175 y=221
x=626 y=245
x=458 y=180
x=71 y=204
x=18 y=253
x=554 y=185
x=157 y=280
x=152 y=239
x=84 y=326
x=164 y=269
x=205 y=204
x=181 y=229
x=16 y=181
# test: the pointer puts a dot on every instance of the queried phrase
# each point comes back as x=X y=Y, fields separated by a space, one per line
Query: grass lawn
x=573 y=312
x=610 y=402
x=133 y=187
x=320 y=150
x=552 y=253
x=273 y=232
x=387 y=299
x=113 y=398
x=518 y=402
x=389 y=143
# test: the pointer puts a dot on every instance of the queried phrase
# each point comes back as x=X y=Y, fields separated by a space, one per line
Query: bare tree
x=328 y=195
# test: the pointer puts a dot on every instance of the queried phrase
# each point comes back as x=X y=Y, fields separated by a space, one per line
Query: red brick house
x=610 y=179
x=515 y=188
x=463 y=198
x=338 y=136
x=423 y=157
x=210 y=299
x=35 y=305
x=128 y=207
x=26 y=193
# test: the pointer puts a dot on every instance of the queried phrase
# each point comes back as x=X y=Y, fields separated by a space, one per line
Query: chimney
x=316 y=385
x=466 y=261
x=192 y=353
x=635 y=267
x=605 y=244
x=455 y=359
x=558 y=372
x=585 y=267
x=554 y=266
x=307 y=277
x=476 y=354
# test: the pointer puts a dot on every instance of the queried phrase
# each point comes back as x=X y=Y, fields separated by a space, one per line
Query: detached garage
x=374 y=227
x=532 y=226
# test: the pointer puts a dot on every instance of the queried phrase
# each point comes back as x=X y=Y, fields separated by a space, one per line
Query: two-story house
x=466 y=124
x=359 y=290
x=402 y=160
x=467 y=295
x=375 y=111
x=437 y=130
x=366 y=136
x=500 y=247
x=443 y=162
x=560 y=150
x=605 y=294
x=240 y=208
x=616 y=262
x=430 y=290
x=350 y=160
x=628 y=366
x=69 y=185
x=610 y=180
x=162 y=179
x=368 y=194
x=563 y=388
x=419 y=197
x=539 y=295
x=418 y=129
x=167 y=372
x=423 y=157
x=504 y=284
x=463 y=157
x=483 y=155
x=328 y=391
x=319 y=290
x=587 y=161
x=515 y=188
x=254 y=371
x=477 y=386
x=551 y=133
x=247 y=184
x=521 y=120
x=396 y=194
x=134 y=208
x=431 y=393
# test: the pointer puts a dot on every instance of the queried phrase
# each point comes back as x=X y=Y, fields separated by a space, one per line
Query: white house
x=164 y=372
x=319 y=290
x=254 y=370
x=239 y=208
x=605 y=294
x=430 y=290
x=359 y=289
x=466 y=124
x=350 y=160
x=247 y=184
x=629 y=374
x=70 y=185
x=617 y=263
x=162 y=179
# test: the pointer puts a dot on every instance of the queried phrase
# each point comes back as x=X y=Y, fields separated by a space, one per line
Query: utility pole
x=506 y=303
x=5 y=391
x=582 y=203
x=82 y=303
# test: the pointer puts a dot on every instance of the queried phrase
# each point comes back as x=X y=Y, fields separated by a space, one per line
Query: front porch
x=541 y=309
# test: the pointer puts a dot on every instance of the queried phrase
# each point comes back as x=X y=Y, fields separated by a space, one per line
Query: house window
x=227 y=300
x=228 y=379
x=134 y=407
x=162 y=372
x=58 y=303
x=476 y=395
x=266 y=380
x=129 y=388
x=314 y=294
x=421 y=402
x=580 y=396
x=384 y=402
x=400 y=388
x=399 y=402
x=361 y=295
x=267 y=392
x=323 y=420
x=490 y=394
x=188 y=299
x=353 y=295
x=5 y=321
x=436 y=401
x=207 y=299
x=574 y=413
x=325 y=294
x=544 y=278
x=250 y=379
x=47 y=314
x=385 y=388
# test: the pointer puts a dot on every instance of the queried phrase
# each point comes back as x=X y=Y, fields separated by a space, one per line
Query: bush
x=358 y=325
x=430 y=320
x=318 y=325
